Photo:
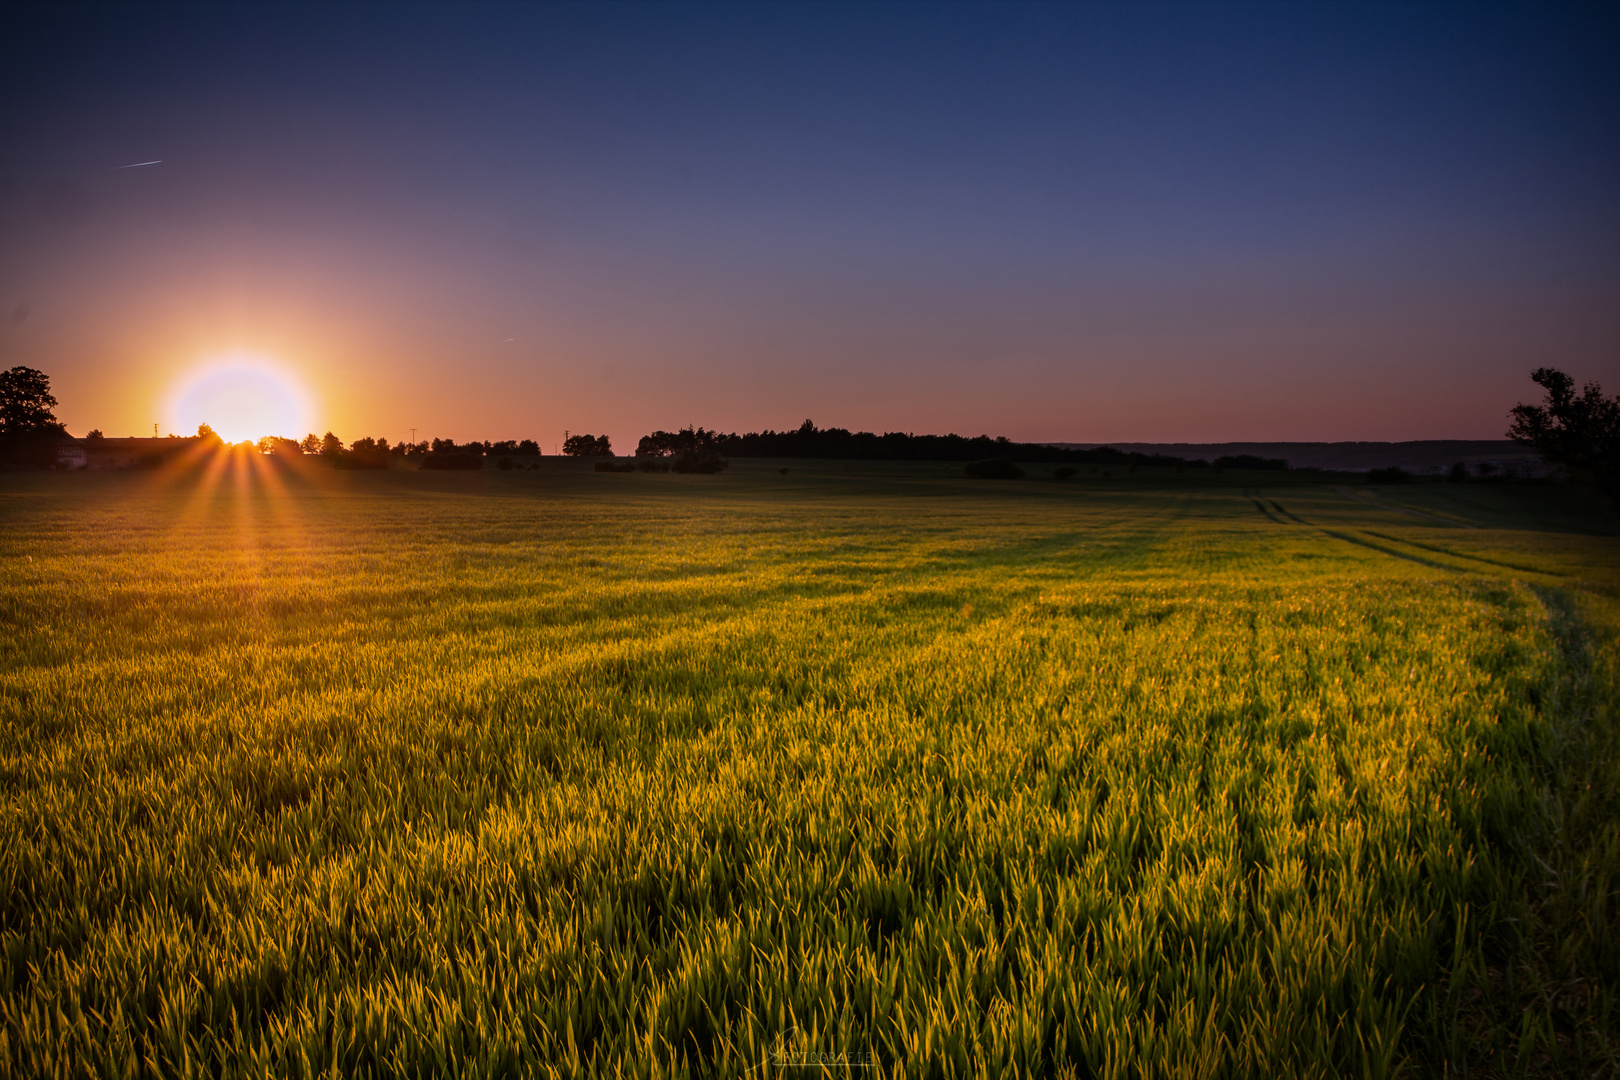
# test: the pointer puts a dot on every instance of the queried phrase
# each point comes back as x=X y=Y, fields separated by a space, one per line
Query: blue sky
x=1083 y=222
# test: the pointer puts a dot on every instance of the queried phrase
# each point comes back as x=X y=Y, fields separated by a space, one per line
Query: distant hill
x=1421 y=456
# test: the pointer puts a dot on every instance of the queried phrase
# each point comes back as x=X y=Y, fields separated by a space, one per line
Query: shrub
x=1459 y=472
x=698 y=461
x=1392 y=475
x=1250 y=461
x=616 y=465
x=1063 y=472
x=359 y=459
x=466 y=462
x=998 y=468
x=506 y=464
x=652 y=464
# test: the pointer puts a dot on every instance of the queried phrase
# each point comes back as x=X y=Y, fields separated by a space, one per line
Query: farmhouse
x=131 y=453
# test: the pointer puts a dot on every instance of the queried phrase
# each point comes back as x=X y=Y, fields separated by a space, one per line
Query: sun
x=241 y=398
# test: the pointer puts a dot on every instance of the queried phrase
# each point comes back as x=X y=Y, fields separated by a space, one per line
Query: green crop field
x=864 y=770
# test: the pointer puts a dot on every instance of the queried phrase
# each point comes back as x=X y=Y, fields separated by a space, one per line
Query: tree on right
x=1579 y=433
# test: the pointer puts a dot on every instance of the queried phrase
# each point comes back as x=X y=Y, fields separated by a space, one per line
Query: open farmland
x=565 y=773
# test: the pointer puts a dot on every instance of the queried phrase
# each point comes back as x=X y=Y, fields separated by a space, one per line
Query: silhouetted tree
x=530 y=447
x=311 y=444
x=1579 y=433
x=26 y=402
x=280 y=447
x=670 y=443
x=588 y=446
x=363 y=454
x=809 y=441
x=95 y=433
x=29 y=430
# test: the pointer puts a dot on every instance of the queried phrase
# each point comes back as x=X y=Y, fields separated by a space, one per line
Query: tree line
x=809 y=441
x=374 y=449
x=1577 y=432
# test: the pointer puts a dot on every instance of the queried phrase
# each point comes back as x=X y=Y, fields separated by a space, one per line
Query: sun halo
x=241 y=399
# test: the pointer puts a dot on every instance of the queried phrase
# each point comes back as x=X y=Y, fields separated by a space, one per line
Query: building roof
x=136 y=444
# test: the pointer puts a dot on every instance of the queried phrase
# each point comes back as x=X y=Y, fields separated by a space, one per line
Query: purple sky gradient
x=1079 y=223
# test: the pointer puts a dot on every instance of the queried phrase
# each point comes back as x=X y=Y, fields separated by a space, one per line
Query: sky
x=1146 y=222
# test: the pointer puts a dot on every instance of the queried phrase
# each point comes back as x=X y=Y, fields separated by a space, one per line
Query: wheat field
x=865 y=770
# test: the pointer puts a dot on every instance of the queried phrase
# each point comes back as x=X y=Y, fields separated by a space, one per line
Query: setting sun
x=241 y=398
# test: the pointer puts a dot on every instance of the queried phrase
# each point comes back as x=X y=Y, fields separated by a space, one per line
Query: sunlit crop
x=575 y=773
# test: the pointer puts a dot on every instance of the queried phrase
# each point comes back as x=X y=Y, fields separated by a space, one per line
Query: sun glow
x=241 y=398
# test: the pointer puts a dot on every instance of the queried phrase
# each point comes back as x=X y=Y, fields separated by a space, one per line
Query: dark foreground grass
x=562 y=773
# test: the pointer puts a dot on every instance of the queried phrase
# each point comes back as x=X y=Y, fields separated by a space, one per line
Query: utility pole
x=413 y=436
x=154 y=431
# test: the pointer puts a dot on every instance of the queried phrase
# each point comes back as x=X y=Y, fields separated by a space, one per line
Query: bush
x=999 y=468
x=1250 y=461
x=1392 y=475
x=466 y=462
x=359 y=459
x=616 y=465
x=652 y=464
x=1459 y=473
x=698 y=461
x=1063 y=472
x=506 y=464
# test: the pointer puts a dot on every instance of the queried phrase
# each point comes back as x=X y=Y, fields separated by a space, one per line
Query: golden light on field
x=241 y=398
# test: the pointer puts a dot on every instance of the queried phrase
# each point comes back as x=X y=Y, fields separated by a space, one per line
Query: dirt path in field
x=1259 y=504
x=1276 y=512
x=1373 y=500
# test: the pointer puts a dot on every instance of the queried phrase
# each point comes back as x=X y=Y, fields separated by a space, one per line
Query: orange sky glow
x=1085 y=224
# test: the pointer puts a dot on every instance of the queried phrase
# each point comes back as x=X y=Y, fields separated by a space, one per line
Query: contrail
x=138 y=164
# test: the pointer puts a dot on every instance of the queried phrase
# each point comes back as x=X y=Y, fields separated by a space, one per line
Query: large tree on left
x=29 y=430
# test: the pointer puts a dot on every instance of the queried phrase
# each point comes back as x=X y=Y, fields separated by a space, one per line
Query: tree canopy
x=587 y=446
x=29 y=430
x=1579 y=433
x=26 y=403
x=809 y=441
